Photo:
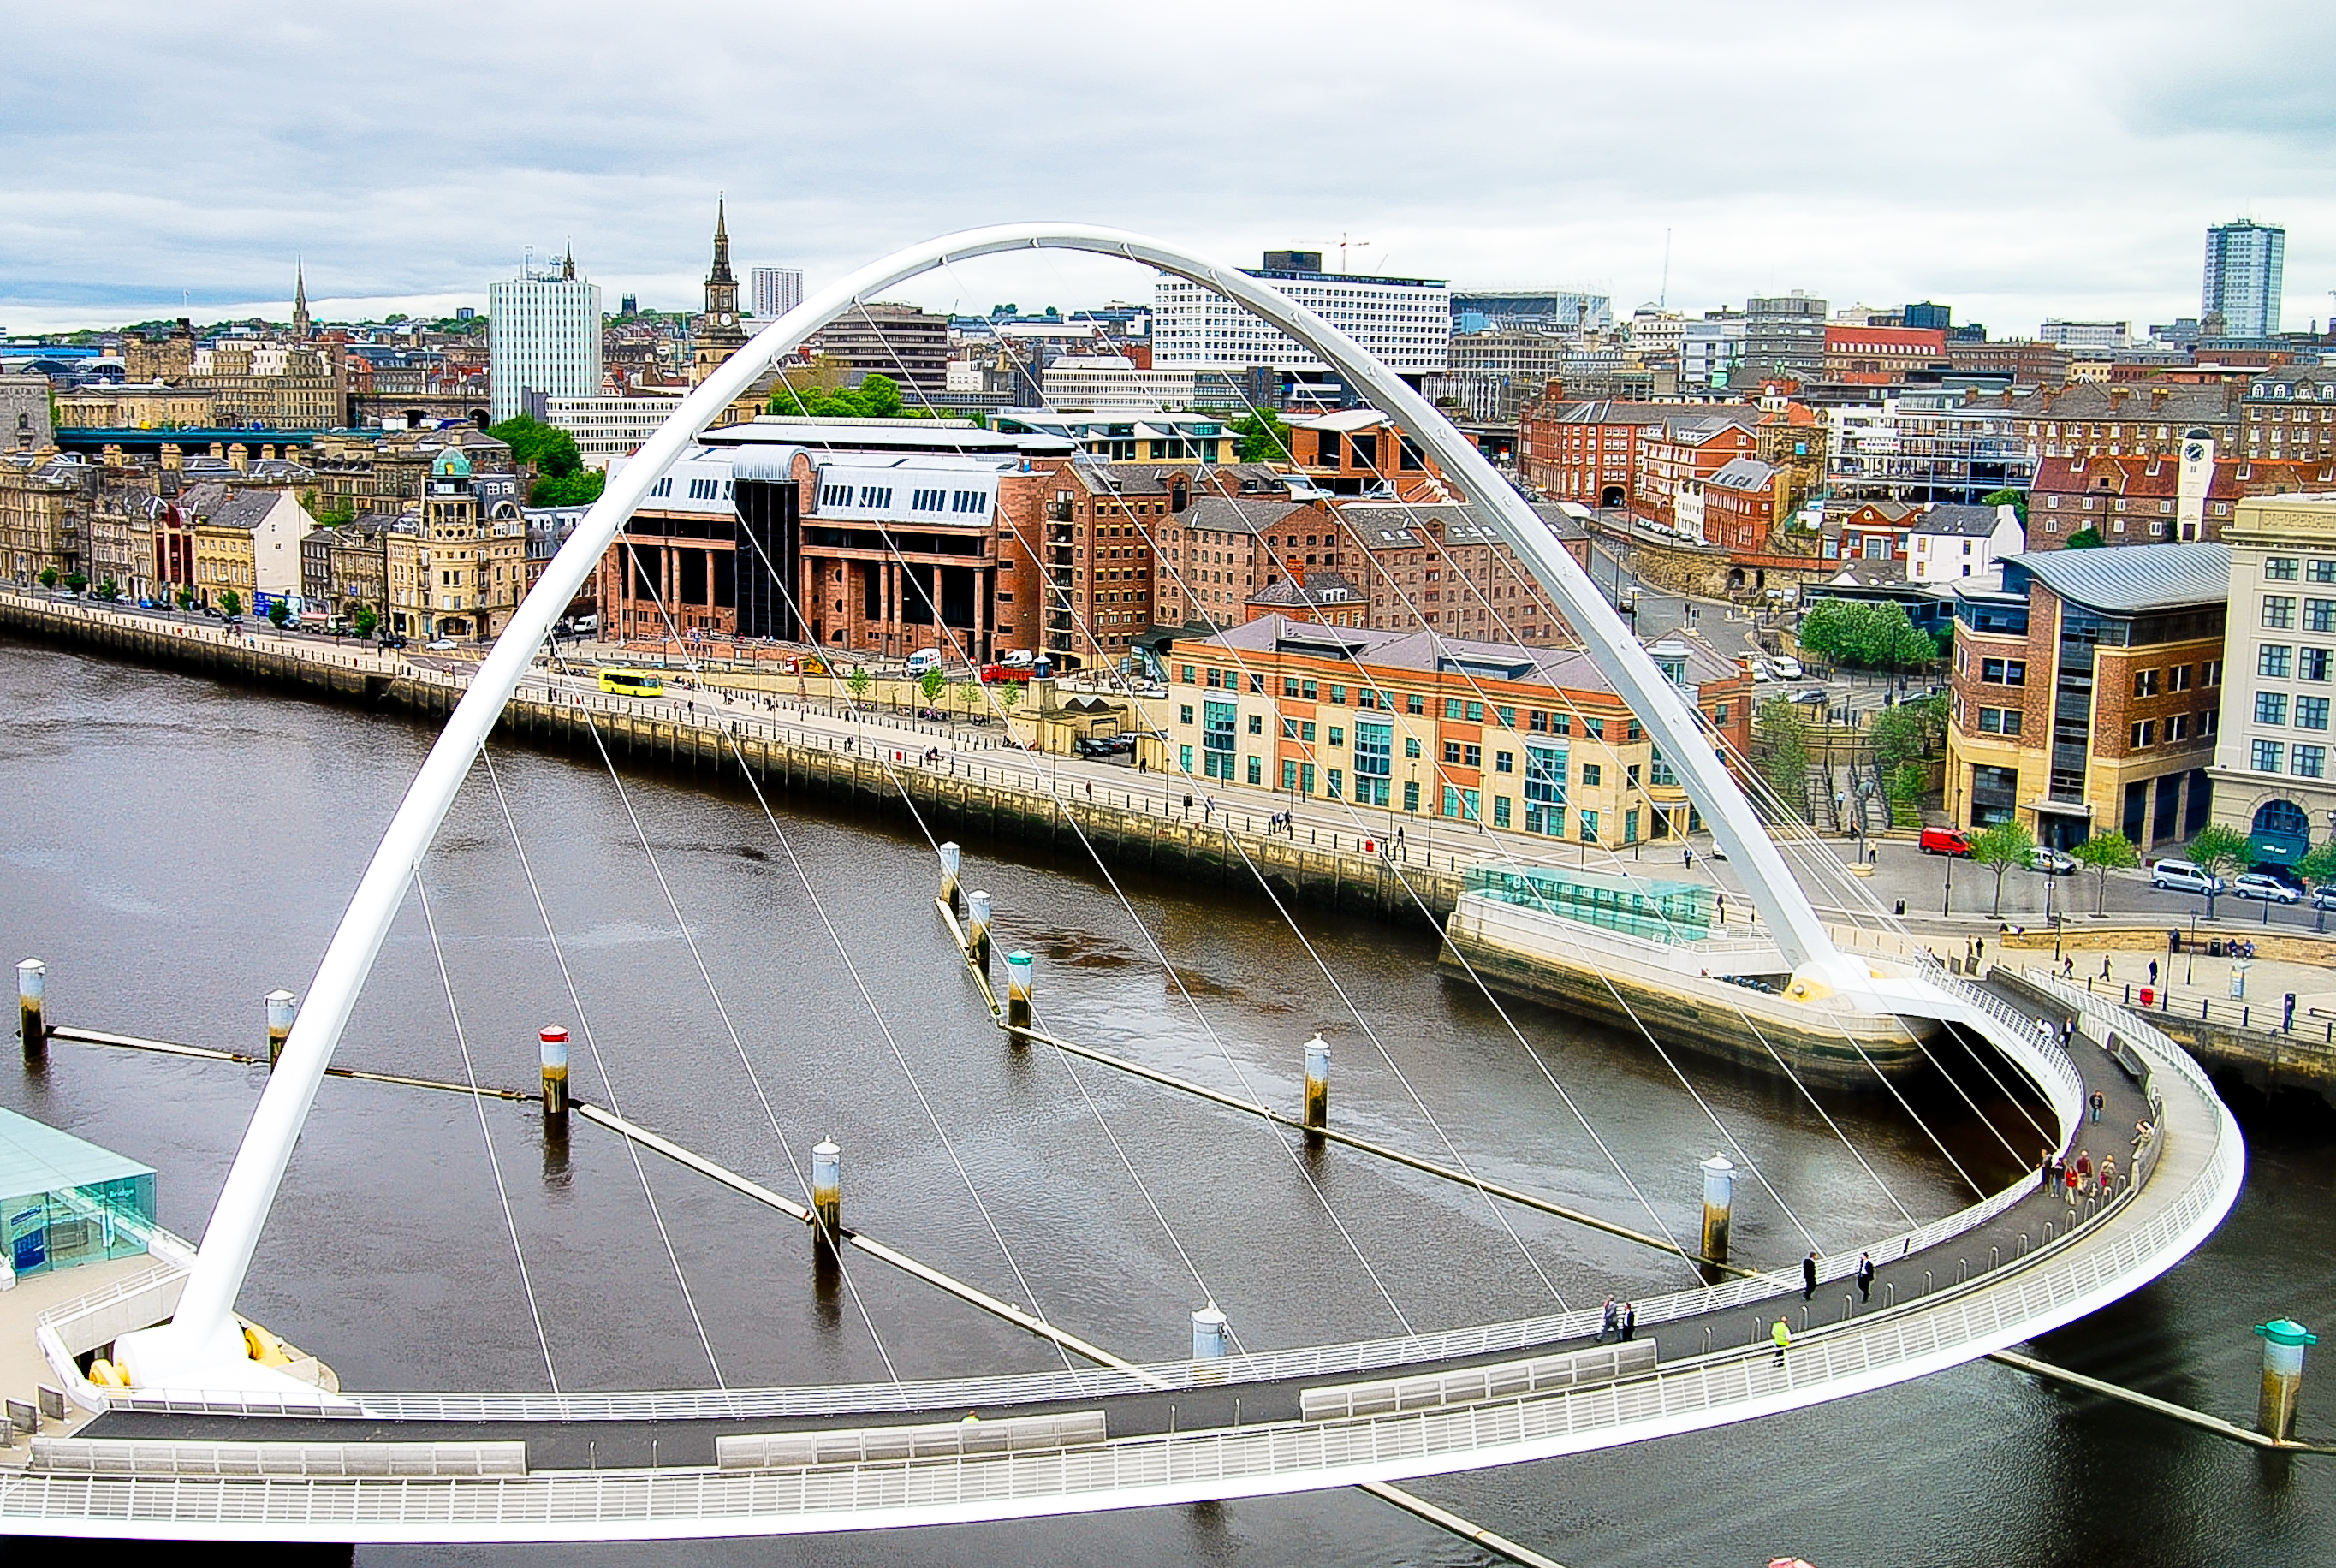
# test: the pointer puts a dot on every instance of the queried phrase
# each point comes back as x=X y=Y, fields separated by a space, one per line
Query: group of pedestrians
x=1620 y=1321
x=2080 y=1178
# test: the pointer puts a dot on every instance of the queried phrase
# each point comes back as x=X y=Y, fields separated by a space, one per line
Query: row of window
x=2302 y=761
x=2271 y=707
x=2174 y=729
x=2274 y=659
x=2279 y=612
x=2285 y=569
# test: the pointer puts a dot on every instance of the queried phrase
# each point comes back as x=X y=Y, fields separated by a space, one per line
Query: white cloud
x=2016 y=160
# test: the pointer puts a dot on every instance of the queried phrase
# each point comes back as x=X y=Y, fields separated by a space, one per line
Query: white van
x=2182 y=877
x=924 y=661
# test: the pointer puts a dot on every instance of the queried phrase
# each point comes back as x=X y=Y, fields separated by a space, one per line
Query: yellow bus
x=632 y=682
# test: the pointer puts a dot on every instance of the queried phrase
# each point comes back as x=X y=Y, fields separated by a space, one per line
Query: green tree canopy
x=1780 y=751
x=1909 y=731
x=876 y=397
x=2219 y=851
x=546 y=448
x=2085 y=538
x=2101 y=854
x=2000 y=849
x=2318 y=867
x=1909 y=783
x=1864 y=636
x=580 y=488
x=365 y=619
x=2010 y=498
x=230 y=603
x=1264 y=438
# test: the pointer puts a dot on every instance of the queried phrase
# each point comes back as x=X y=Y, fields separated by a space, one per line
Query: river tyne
x=175 y=849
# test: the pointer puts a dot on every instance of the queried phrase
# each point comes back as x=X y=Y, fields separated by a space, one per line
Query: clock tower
x=719 y=333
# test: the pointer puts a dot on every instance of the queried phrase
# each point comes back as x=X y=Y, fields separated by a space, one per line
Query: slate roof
x=1959 y=522
x=2128 y=580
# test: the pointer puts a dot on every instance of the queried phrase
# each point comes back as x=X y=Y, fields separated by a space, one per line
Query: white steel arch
x=203 y=1345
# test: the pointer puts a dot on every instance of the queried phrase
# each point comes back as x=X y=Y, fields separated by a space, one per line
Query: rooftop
x=1429 y=652
x=37 y=1158
x=1957 y=520
x=2128 y=580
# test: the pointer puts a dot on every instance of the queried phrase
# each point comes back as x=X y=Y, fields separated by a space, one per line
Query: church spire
x=567 y=265
x=721 y=273
x=300 y=300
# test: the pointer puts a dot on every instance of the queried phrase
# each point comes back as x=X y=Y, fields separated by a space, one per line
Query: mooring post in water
x=551 y=1051
x=1318 y=1084
x=2283 y=1376
x=1018 y=967
x=279 y=1023
x=949 y=858
x=827 y=1192
x=1718 y=1201
x=976 y=929
x=1212 y=1334
x=32 y=985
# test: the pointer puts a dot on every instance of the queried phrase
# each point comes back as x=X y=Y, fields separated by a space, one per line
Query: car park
x=2052 y=862
x=2269 y=889
x=2182 y=877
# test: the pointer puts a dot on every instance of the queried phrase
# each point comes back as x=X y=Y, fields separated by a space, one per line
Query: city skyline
x=2008 y=185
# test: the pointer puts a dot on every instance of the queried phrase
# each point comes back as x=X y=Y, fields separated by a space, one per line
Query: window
x=1464 y=804
x=2309 y=761
x=1500 y=810
x=2210 y=673
x=2145 y=733
x=1413 y=703
x=2322 y=570
x=1338 y=696
x=2263 y=756
x=2312 y=665
x=1290 y=729
x=1411 y=794
x=2311 y=713
x=1999 y=721
x=2278 y=609
x=1308 y=690
x=2146 y=682
x=2003 y=671
x=1592 y=774
x=1337 y=785
x=1337 y=735
x=1374 y=746
x=2320 y=615
x=2177 y=727
x=2179 y=678
x=1217 y=739
x=1256 y=771
x=1257 y=723
x=2271 y=707
x=1188 y=676
x=1508 y=717
x=1631 y=776
x=2280 y=568
x=1505 y=762
x=1184 y=713
x=2272 y=659
x=1588 y=821
x=1595 y=729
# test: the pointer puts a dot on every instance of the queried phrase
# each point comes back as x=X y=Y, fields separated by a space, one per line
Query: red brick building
x=2156 y=500
x=1881 y=355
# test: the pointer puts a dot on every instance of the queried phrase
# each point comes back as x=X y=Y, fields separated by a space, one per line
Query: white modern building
x=608 y=427
x=773 y=291
x=543 y=338
x=2079 y=334
x=2271 y=772
x=1405 y=322
x=1711 y=351
x=2244 y=261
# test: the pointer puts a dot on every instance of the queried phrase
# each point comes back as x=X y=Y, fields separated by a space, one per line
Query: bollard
x=949 y=858
x=2283 y=1374
x=827 y=1189
x=977 y=930
x=1018 y=967
x=279 y=1024
x=1212 y=1334
x=32 y=986
x=1719 y=1201
x=1318 y=1084
x=551 y=1050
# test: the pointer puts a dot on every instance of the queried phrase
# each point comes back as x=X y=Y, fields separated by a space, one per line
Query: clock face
x=2194 y=452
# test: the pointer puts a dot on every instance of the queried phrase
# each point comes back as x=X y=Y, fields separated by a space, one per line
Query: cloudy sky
x=2018 y=160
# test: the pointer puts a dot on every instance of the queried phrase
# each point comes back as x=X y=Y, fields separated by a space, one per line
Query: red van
x=1944 y=842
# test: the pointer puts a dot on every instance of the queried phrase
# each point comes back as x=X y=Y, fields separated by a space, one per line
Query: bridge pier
x=977 y=930
x=1019 y=967
x=2283 y=1376
x=1719 y=1205
x=1318 y=1087
x=32 y=988
x=279 y=1023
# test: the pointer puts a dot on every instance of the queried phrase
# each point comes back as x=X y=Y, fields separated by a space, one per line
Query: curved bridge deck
x=1195 y=1431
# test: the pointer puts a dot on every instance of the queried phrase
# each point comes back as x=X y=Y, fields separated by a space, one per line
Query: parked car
x=390 y=639
x=2323 y=898
x=924 y=661
x=2182 y=877
x=1105 y=745
x=440 y=645
x=1944 y=842
x=2270 y=889
x=2052 y=862
x=1790 y=669
x=1019 y=658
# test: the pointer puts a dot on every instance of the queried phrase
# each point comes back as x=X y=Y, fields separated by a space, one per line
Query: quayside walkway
x=520 y=1466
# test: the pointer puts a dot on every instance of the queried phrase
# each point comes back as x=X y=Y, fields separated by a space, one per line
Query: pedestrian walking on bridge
x=1808 y=1276
x=1782 y=1337
x=1865 y=1276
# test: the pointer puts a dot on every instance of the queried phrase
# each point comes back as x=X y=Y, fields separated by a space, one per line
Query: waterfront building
x=543 y=339
x=717 y=334
x=121 y=542
x=345 y=565
x=2244 y=263
x=244 y=539
x=2087 y=693
x=134 y=405
x=67 y=1201
x=774 y=290
x=457 y=569
x=44 y=500
x=1405 y=322
x=1441 y=567
x=359 y=472
x=1531 y=739
x=1358 y=451
x=2270 y=772
x=2290 y=412
x=608 y=427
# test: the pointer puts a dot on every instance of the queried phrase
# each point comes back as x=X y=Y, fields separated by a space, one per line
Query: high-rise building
x=1784 y=336
x=1405 y=322
x=2244 y=262
x=775 y=289
x=543 y=339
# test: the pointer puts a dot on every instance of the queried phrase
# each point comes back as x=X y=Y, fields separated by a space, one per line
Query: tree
x=1780 y=751
x=2218 y=850
x=1264 y=438
x=2010 y=498
x=278 y=613
x=1909 y=783
x=932 y=684
x=1866 y=636
x=546 y=448
x=2318 y=867
x=1909 y=731
x=186 y=599
x=2000 y=848
x=2085 y=538
x=365 y=619
x=878 y=396
x=109 y=590
x=858 y=683
x=77 y=581
x=230 y=604
x=2101 y=854
x=580 y=488
x=48 y=577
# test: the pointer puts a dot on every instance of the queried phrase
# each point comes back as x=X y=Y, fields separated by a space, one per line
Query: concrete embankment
x=1004 y=797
